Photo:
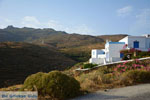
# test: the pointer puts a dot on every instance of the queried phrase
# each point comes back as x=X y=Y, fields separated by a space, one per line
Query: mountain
x=58 y=39
x=74 y=46
x=18 y=60
x=25 y=34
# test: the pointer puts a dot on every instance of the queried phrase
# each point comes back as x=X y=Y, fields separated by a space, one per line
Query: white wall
x=147 y=43
x=142 y=42
x=114 y=59
x=96 y=60
x=124 y=40
x=114 y=51
x=96 y=52
x=101 y=56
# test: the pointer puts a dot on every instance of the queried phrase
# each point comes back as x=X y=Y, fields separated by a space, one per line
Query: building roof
x=143 y=36
x=116 y=42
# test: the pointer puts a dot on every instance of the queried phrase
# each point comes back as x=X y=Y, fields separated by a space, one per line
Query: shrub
x=136 y=64
x=90 y=81
x=104 y=70
x=89 y=65
x=96 y=79
x=34 y=82
x=54 y=84
x=134 y=53
x=135 y=76
x=59 y=85
x=107 y=78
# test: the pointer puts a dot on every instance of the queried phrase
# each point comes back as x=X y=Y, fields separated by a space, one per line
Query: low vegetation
x=88 y=65
x=134 y=54
x=54 y=84
x=62 y=85
x=128 y=73
x=135 y=76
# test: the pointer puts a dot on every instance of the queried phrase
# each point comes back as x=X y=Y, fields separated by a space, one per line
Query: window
x=136 y=44
x=93 y=53
x=121 y=55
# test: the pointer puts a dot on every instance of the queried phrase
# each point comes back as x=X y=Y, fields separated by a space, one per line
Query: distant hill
x=70 y=40
x=18 y=60
x=59 y=39
x=74 y=46
x=113 y=38
x=25 y=34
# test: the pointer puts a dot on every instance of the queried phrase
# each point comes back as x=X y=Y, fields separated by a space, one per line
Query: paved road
x=138 y=92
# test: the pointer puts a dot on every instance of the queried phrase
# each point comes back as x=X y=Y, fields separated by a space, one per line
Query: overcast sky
x=94 y=17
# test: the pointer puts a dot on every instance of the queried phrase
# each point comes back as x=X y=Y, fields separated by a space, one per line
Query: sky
x=91 y=17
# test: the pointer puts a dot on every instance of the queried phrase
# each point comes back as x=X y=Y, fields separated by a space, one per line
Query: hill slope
x=18 y=60
x=59 y=39
x=74 y=46
x=25 y=34
x=55 y=38
x=113 y=38
x=70 y=40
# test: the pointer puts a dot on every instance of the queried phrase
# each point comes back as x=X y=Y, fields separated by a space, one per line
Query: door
x=136 y=44
x=121 y=55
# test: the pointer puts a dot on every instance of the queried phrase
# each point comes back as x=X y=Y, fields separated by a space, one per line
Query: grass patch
x=89 y=65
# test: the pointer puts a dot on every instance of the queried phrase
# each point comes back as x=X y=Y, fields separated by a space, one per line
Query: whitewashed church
x=111 y=53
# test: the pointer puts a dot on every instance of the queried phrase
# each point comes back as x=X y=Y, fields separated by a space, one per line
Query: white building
x=111 y=53
x=138 y=42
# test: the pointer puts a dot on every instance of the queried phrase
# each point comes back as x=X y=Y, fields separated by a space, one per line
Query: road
x=137 y=92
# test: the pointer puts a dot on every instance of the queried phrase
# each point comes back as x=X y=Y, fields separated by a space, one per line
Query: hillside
x=74 y=46
x=18 y=60
x=57 y=38
x=113 y=38
x=60 y=50
x=70 y=40
x=82 y=53
x=25 y=34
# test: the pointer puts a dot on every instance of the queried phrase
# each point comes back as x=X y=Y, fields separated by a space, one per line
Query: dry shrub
x=54 y=84
x=107 y=78
x=89 y=81
x=134 y=77
x=95 y=80
x=89 y=85
x=104 y=70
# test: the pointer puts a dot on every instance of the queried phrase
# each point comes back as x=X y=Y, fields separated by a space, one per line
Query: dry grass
x=12 y=88
x=98 y=79
x=106 y=78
